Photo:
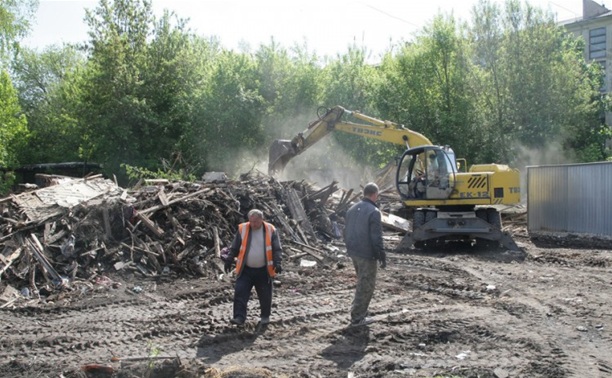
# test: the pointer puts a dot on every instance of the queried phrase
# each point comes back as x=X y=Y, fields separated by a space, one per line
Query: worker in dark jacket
x=364 y=244
x=258 y=254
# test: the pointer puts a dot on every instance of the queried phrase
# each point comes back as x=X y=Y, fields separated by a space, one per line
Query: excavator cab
x=426 y=172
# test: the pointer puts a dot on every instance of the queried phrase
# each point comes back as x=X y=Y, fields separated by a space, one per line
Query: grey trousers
x=366 y=280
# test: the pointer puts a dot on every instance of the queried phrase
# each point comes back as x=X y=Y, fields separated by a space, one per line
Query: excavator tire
x=418 y=219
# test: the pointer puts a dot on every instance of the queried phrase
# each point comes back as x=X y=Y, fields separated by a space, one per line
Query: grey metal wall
x=574 y=198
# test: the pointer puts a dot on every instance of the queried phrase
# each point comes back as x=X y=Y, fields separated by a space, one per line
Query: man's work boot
x=265 y=320
x=238 y=320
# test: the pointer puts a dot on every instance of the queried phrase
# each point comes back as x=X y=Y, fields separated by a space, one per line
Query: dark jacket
x=277 y=251
x=363 y=230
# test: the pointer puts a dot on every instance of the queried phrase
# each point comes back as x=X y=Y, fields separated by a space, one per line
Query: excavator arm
x=282 y=151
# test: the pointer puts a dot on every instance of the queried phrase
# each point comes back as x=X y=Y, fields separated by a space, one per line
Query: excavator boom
x=282 y=150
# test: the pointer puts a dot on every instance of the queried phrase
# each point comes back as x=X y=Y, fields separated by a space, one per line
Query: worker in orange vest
x=257 y=252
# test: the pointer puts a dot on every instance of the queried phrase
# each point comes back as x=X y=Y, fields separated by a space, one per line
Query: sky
x=326 y=27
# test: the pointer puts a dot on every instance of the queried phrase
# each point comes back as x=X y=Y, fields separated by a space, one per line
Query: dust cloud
x=326 y=162
x=551 y=153
x=320 y=165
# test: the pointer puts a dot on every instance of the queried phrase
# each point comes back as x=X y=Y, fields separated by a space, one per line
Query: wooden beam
x=150 y=224
x=158 y=207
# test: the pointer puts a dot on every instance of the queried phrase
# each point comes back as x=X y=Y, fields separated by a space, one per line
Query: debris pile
x=84 y=229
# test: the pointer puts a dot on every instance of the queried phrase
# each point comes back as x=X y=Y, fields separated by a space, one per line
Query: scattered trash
x=68 y=247
x=60 y=281
x=501 y=373
x=25 y=292
x=307 y=263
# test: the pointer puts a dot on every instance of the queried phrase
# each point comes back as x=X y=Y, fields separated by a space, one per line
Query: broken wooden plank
x=217 y=243
x=162 y=197
x=9 y=260
x=311 y=251
x=395 y=223
x=323 y=194
x=297 y=211
x=106 y=220
x=55 y=237
x=38 y=252
x=158 y=207
x=301 y=233
x=150 y=224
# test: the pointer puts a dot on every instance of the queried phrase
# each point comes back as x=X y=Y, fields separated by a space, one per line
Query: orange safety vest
x=244 y=229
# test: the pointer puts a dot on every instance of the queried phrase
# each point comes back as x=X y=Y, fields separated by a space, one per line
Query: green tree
x=534 y=88
x=351 y=81
x=426 y=87
x=171 y=78
x=291 y=87
x=112 y=108
x=140 y=84
x=227 y=131
x=15 y=18
x=49 y=93
x=13 y=124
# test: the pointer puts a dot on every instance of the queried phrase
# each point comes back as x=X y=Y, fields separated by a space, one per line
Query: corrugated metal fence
x=574 y=198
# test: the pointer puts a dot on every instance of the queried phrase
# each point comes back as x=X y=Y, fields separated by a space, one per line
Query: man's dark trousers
x=250 y=277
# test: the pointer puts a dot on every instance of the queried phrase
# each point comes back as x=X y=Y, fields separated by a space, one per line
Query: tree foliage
x=141 y=76
x=229 y=114
x=49 y=84
x=534 y=86
x=146 y=91
x=13 y=130
x=15 y=18
x=427 y=87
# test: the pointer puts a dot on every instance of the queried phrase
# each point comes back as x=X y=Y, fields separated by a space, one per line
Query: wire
x=390 y=15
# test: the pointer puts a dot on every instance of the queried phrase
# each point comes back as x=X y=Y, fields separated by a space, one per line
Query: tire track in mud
x=424 y=322
x=109 y=329
x=476 y=329
x=433 y=316
x=547 y=319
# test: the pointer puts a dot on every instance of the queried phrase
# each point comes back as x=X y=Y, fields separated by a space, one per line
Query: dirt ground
x=458 y=312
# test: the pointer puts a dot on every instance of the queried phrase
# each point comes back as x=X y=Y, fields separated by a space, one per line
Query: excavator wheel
x=418 y=219
x=430 y=215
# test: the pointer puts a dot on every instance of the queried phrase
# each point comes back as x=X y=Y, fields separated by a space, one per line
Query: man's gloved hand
x=228 y=266
x=278 y=268
x=382 y=258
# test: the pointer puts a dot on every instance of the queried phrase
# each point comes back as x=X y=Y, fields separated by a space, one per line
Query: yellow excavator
x=448 y=204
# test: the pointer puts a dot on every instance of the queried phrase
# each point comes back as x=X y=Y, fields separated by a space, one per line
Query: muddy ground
x=458 y=312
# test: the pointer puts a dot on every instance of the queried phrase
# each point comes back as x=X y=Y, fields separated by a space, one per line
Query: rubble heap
x=85 y=229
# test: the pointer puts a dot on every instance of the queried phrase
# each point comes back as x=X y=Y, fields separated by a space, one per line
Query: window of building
x=604 y=86
x=597 y=43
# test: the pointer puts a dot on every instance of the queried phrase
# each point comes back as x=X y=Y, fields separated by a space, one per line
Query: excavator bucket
x=281 y=151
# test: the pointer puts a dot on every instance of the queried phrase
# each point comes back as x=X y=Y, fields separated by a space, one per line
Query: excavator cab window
x=412 y=175
x=426 y=172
